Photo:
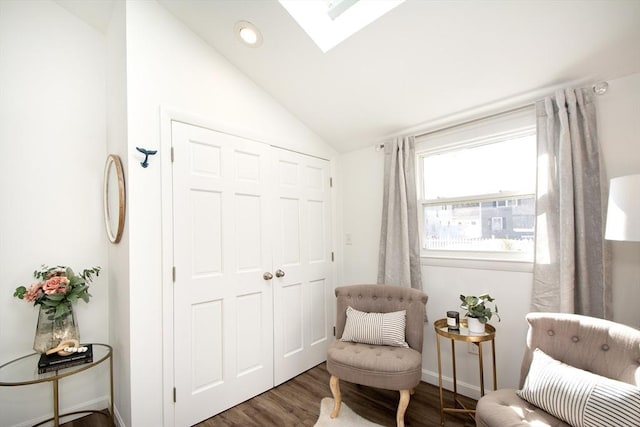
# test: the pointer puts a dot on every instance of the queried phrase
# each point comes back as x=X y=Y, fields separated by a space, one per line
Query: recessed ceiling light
x=248 y=33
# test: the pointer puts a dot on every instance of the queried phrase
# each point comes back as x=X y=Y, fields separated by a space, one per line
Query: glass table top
x=24 y=370
x=463 y=333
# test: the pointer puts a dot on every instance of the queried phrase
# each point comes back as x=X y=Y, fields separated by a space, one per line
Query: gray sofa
x=599 y=346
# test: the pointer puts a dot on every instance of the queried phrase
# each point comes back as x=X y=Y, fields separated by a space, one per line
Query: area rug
x=346 y=418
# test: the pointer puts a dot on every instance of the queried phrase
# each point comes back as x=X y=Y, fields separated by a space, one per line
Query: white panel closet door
x=302 y=250
x=223 y=308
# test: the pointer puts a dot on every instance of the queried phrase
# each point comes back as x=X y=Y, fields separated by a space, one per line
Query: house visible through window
x=477 y=190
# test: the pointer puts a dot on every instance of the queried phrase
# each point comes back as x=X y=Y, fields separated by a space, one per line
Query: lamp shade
x=623 y=212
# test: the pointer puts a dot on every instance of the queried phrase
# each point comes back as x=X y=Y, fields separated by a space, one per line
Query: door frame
x=167 y=116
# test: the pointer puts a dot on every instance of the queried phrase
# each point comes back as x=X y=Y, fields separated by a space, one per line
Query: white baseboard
x=465 y=389
x=117 y=418
x=97 y=404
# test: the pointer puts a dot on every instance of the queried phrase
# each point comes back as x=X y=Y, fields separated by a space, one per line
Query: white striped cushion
x=375 y=328
x=580 y=398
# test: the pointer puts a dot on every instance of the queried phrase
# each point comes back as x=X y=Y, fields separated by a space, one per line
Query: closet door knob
x=267 y=276
x=279 y=273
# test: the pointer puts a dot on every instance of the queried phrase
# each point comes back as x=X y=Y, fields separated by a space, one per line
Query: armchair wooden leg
x=334 y=384
x=405 y=395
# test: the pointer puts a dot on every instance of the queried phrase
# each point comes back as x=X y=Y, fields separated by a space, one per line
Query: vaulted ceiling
x=422 y=62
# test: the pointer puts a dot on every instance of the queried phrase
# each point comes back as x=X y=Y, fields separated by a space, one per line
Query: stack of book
x=53 y=362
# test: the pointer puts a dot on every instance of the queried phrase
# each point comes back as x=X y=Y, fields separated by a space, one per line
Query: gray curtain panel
x=399 y=262
x=571 y=269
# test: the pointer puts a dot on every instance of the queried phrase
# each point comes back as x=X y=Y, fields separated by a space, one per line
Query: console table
x=442 y=331
x=24 y=371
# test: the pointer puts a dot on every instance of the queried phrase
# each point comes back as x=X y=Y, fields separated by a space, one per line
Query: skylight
x=330 y=22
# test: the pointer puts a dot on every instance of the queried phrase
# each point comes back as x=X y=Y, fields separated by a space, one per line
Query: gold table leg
x=493 y=358
x=481 y=363
x=56 y=409
x=440 y=381
x=113 y=418
x=455 y=375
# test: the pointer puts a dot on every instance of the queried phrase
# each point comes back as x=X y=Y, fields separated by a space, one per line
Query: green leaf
x=87 y=274
x=80 y=288
x=20 y=291
x=61 y=310
x=75 y=281
x=56 y=297
x=476 y=306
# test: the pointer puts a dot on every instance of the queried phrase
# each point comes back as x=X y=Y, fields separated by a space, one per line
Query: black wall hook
x=146 y=153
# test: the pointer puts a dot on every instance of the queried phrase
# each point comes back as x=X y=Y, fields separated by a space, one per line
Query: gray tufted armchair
x=599 y=346
x=381 y=366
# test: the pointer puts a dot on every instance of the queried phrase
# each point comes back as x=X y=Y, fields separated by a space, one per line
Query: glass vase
x=51 y=332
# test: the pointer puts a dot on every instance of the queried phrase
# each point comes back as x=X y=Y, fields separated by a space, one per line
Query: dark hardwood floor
x=297 y=403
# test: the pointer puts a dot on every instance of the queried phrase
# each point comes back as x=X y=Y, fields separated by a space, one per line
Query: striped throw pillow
x=375 y=328
x=580 y=398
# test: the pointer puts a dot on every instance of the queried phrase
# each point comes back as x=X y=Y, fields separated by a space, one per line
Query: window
x=477 y=190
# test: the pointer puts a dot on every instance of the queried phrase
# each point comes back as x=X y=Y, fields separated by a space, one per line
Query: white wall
x=52 y=152
x=168 y=66
x=119 y=308
x=619 y=131
x=360 y=186
x=359 y=183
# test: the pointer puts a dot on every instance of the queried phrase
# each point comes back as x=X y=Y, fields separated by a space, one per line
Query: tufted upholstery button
x=389 y=298
x=575 y=338
x=604 y=347
x=360 y=296
x=401 y=299
x=550 y=332
x=375 y=297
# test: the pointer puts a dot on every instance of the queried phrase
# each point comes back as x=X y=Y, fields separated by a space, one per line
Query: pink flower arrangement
x=33 y=292
x=54 y=285
x=58 y=288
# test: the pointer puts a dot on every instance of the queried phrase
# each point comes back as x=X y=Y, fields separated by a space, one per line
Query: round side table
x=443 y=331
x=24 y=371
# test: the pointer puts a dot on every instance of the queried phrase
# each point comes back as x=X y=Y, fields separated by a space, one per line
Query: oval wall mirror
x=114 y=198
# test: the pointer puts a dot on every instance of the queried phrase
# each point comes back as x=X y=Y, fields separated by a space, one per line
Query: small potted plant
x=479 y=311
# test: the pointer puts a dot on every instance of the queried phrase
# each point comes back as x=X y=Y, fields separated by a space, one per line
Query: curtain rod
x=599 y=89
x=479 y=119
